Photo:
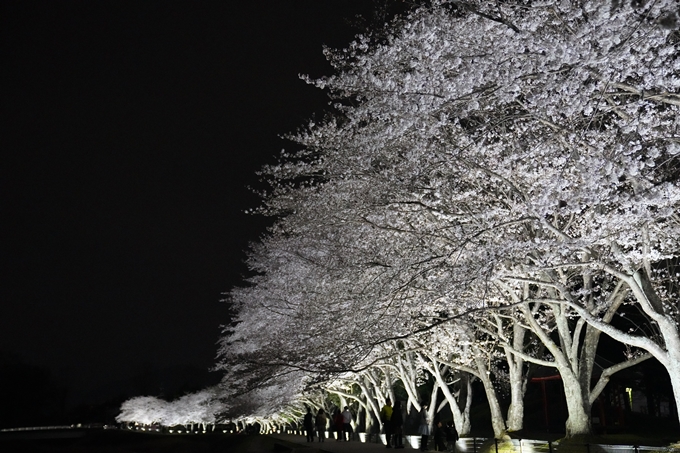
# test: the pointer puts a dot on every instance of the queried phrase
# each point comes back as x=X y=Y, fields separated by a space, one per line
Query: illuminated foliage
x=494 y=184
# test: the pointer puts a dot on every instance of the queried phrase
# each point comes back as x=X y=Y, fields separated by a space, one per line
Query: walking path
x=333 y=446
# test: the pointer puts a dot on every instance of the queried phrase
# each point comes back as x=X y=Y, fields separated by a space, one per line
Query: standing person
x=347 y=423
x=397 y=422
x=386 y=417
x=338 y=421
x=321 y=425
x=309 y=425
x=424 y=428
x=440 y=437
x=451 y=436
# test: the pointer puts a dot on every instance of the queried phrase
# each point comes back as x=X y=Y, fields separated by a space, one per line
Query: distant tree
x=198 y=408
x=145 y=410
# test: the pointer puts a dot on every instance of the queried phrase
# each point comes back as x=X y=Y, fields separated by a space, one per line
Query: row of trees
x=199 y=408
x=495 y=184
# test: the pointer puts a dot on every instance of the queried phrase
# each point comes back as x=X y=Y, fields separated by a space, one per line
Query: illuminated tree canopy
x=494 y=185
x=198 y=408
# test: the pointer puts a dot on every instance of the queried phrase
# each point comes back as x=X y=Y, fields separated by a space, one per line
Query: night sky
x=130 y=132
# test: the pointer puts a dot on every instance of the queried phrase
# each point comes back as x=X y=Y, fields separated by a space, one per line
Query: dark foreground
x=119 y=441
x=116 y=441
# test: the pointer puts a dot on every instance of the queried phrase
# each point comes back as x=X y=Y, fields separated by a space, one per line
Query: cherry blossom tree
x=519 y=161
x=534 y=141
x=194 y=408
x=145 y=410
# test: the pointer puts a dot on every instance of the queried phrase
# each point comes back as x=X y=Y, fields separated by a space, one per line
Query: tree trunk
x=668 y=327
x=518 y=385
x=518 y=380
x=408 y=378
x=578 y=421
x=567 y=364
x=460 y=418
x=468 y=402
x=497 y=422
x=371 y=403
x=674 y=372
x=432 y=409
x=669 y=331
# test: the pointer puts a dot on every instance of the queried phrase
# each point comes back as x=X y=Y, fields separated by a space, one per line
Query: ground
x=118 y=441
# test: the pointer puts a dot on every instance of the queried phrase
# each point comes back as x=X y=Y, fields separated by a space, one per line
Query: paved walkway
x=333 y=446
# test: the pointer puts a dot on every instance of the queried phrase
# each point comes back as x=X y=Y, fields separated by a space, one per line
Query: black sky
x=130 y=130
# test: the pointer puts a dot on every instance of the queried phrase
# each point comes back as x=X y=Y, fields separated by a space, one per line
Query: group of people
x=392 y=419
x=393 y=423
x=341 y=421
